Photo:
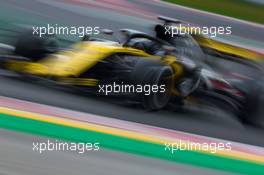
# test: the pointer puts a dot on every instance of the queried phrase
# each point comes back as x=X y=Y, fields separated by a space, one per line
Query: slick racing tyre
x=252 y=110
x=151 y=73
x=35 y=47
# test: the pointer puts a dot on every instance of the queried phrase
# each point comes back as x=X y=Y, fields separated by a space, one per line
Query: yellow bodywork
x=67 y=65
x=71 y=63
x=229 y=49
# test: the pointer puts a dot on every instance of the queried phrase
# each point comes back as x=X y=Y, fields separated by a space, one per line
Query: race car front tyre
x=159 y=77
x=35 y=47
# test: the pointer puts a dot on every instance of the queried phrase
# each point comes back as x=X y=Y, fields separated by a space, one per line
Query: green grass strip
x=129 y=145
x=234 y=8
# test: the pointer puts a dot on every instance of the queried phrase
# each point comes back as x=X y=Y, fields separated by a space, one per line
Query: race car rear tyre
x=216 y=100
x=252 y=110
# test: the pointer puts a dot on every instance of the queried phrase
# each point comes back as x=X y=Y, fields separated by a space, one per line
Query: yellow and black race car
x=143 y=68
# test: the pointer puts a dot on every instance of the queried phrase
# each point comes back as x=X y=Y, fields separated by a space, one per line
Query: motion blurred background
x=16 y=155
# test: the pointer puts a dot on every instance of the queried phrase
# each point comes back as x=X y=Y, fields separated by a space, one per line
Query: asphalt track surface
x=214 y=124
x=18 y=158
x=211 y=124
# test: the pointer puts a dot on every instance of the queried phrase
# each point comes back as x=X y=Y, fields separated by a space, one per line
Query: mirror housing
x=107 y=31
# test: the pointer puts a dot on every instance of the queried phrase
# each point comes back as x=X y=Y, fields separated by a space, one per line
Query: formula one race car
x=142 y=68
